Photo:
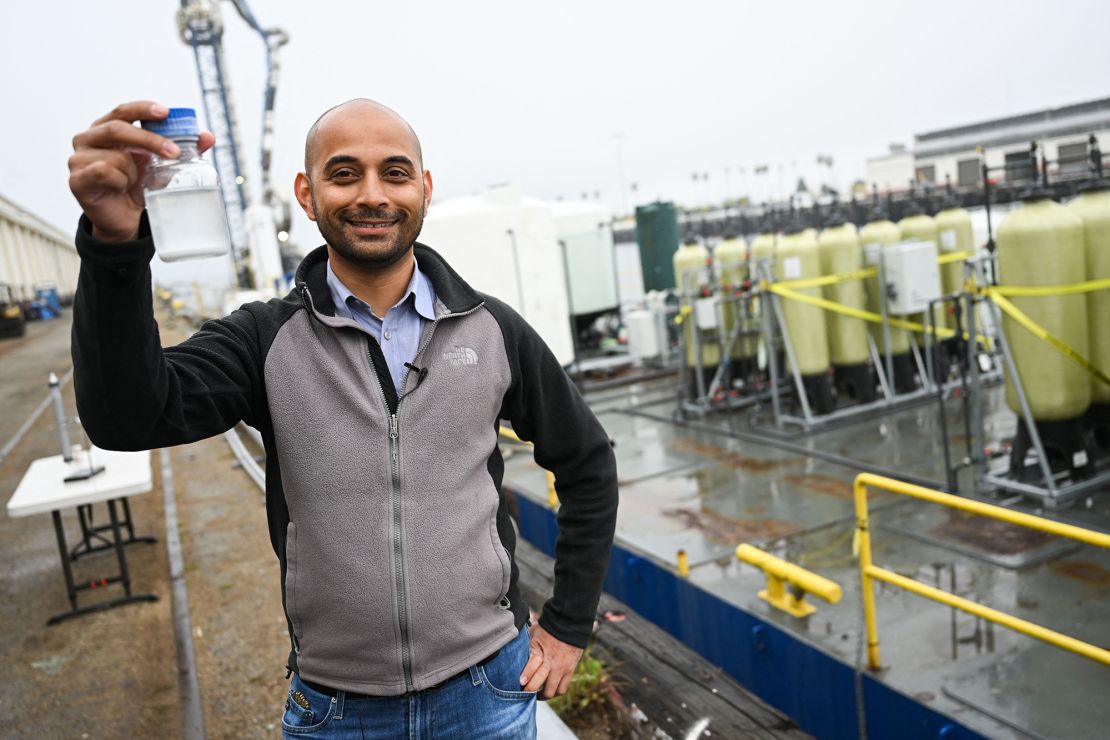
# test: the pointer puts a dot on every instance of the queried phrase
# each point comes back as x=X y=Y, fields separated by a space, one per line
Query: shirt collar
x=420 y=287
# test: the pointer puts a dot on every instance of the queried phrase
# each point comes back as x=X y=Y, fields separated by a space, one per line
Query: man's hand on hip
x=551 y=663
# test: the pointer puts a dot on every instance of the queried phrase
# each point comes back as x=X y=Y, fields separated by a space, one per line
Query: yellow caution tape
x=1029 y=291
x=944 y=259
x=1040 y=332
x=858 y=313
x=842 y=277
x=938 y=331
x=818 y=282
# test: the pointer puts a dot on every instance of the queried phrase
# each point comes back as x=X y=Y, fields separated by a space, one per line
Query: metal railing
x=869 y=572
x=788 y=584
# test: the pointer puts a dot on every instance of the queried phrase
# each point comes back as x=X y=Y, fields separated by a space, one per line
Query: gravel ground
x=114 y=674
x=104 y=675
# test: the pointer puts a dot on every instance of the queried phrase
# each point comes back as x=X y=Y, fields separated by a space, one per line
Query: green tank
x=954 y=234
x=840 y=251
x=693 y=259
x=797 y=258
x=657 y=236
x=1041 y=243
x=1093 y=207
x=731 y=257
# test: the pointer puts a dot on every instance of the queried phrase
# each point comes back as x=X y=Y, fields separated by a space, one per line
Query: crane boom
x=254 y=228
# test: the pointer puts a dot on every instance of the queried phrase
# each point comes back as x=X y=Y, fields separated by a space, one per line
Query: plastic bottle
x=183 y=200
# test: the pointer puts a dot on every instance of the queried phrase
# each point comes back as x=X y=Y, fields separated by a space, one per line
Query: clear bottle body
x=184 y=205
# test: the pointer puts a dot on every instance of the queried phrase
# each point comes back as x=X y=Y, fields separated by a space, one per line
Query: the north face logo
x=461 y=356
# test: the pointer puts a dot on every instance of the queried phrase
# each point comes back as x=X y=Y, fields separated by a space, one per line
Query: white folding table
x=44 y=489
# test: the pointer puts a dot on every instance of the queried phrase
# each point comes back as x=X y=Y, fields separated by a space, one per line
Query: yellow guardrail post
x=863 y=542
x=869 y=572
x=552 y=496
x=683 y=564
x=781 y=574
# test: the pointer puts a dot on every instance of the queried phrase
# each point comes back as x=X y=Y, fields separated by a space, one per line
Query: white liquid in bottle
x=183 y=200
x=188 y=222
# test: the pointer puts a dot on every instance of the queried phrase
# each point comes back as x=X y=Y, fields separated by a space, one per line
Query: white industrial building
x=34 y=254
x=952 y=154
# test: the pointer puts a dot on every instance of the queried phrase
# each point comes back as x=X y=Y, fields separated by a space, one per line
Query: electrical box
x=643 y=333
x=912 y=276
x=705 y=312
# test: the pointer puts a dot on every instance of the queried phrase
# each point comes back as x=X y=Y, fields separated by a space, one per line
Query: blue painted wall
x=815 y=689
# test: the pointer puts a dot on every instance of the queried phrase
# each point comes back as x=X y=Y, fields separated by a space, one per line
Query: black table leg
x=123 y=577
x=120 y=557
x=88 y=531
x=127 y=520
x=71 y=591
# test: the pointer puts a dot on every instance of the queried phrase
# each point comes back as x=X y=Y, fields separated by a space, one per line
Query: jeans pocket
x=306 y=711
x=502 y=674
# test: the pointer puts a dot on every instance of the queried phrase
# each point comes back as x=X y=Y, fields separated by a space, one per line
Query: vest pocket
x=291 y=582
x=503 y=560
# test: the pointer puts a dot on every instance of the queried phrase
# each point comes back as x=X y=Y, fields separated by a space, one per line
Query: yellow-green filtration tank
x=763 y=253
x=797 y=258
x=920 y=226
x=693 y=259
x=840 y=252
x=763 y=268
x=731 y=258
x=1041 y=243
x=954 y=235
x=1093 y=207
x=878 y=234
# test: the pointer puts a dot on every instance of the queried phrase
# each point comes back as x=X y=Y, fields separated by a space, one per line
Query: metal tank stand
x=1052 y=492
x=706 y=400
x=775 y=323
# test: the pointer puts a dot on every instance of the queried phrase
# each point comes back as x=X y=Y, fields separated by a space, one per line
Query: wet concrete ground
x=704 y=488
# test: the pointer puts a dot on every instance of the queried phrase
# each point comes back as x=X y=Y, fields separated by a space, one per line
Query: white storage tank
x=507 y=245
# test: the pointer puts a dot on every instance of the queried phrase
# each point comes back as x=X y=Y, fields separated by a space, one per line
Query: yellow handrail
x=870 y=572
x=780 y=573
x=552 y=497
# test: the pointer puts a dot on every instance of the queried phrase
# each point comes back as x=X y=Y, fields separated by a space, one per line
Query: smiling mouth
x=373 y=225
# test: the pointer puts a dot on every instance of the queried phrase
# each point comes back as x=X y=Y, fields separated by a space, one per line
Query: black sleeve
x=545 y=408
x=132 y=394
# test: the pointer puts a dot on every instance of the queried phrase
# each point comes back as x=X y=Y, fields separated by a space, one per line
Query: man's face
x=365 y=190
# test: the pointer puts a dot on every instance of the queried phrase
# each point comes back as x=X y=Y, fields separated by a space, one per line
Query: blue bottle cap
x=180 y=122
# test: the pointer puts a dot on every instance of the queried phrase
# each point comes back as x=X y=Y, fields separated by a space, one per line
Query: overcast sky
x=537 y=93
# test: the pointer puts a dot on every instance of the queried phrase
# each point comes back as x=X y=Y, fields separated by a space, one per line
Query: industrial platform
x=705 y=485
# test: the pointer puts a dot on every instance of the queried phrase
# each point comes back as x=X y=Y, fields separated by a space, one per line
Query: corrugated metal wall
x=34 y=254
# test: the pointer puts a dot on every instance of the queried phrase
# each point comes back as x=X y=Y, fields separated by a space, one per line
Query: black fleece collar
x=451 y=289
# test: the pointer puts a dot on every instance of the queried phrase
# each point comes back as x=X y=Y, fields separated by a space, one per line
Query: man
x=378 y=384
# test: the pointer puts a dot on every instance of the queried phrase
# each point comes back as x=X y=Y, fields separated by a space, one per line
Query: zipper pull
x=393 y=426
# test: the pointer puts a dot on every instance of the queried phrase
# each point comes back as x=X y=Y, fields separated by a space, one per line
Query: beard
x=370 y=250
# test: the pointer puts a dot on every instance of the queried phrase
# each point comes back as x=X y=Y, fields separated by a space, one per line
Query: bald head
x=362 y=107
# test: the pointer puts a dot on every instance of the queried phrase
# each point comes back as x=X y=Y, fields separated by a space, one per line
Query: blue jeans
x=484 y=702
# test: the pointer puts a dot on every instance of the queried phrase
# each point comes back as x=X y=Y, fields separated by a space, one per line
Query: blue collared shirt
x=398 y=332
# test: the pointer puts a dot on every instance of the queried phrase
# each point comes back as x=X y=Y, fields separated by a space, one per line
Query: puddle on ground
x=823 y=484
x=727 y=530
x=733 y=459
x=1083 y=571
x=990 y=535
